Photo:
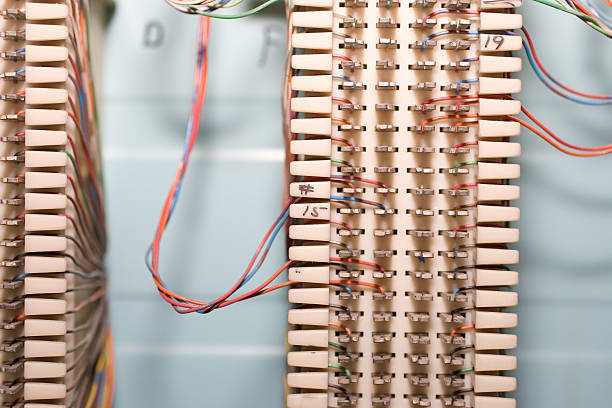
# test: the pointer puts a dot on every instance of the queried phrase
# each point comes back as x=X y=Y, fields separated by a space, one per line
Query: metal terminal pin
x=13 y=35
x=16 y=14
x=12 y=221
x=13 y=76
x=13 y=116
x=12 y=55
x=13 y=180
x=12 y=97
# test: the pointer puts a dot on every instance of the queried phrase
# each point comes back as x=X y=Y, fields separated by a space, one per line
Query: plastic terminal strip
x=44 y=317
x=402 y=192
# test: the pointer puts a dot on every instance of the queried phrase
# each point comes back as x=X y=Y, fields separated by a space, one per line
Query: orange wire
x=360 y=283
x=426 y=121
x=555 y=145
x=454 y=331
x=348 y=122
x=95 y=296
x=346 y=329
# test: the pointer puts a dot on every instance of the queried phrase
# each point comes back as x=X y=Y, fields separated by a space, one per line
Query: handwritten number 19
x=496 y=39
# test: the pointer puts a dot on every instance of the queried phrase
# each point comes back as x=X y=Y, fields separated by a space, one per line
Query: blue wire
x=268 y=246
x=20 y=276
x=549 y=86
x=465 y=81
x=342 y=77
x=607 y=20
x=441 y=33
x=540 y=76
x=346 y=288
x=359 y=200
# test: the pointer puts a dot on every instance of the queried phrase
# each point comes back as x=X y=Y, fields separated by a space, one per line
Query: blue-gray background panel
x=235 y=357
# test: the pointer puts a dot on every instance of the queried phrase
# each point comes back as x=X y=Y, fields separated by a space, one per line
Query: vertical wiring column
x=410 y=149
x=53 y=238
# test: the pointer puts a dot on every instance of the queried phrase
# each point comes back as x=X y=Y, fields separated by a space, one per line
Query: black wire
x=459 y=392
x=81 y=250
x=339 y=388
x=461 y=349
x=462 y=309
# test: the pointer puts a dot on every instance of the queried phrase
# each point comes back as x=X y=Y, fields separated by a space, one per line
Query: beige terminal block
x=403 y=172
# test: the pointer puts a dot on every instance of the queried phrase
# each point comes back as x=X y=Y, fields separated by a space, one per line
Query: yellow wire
x=107 y=399
x=100 y=366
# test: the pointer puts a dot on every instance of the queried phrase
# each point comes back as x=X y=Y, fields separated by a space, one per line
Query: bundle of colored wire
x=557 y=142
x=208 y=8
x=545 y=77
x=53 y=215
x=589 y=15
x=181 y=303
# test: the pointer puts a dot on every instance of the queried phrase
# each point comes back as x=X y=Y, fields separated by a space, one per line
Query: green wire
x=583 y=16
x=340 y=347
x=466 y=370
x=339 y=367
x=93 y=89
x=459 y=165
x=341 y=162
x=193 y=10
x=78 y=174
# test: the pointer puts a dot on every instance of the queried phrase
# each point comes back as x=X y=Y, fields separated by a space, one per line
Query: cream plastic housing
x=45 y=53
x=45 y=11
x=312 y=62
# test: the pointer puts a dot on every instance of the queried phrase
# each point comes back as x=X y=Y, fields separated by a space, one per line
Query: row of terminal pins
x=458 y=274
x=458 y=86
x=459 y=252
x=377 y=169
x=452 y=45
x=413 y=358
x=421 y=212
x=346 y=399
x=415 y=128
x=386 y=107
x=424 y=338
x=449 y=4
x=413 y=233
x=416 y=149
x=419 y=23
x=460 y=65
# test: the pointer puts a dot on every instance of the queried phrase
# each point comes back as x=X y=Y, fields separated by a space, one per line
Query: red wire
x=360 y=283
x=451 y=97
x=343 y=100
x=556 y=146
x=357 y=261
x=342 y=224
x=458 y=186
x=346 y=329
x=454 y=331
x=345 y=141
x=537 y=60
x=348 y=122
x=558 y=139
x=342 y=57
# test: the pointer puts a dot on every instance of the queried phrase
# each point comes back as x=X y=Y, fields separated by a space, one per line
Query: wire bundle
x=54 y=235
x=590 y=14
x=208 y=7
x=184 y=304
x=555 y=85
